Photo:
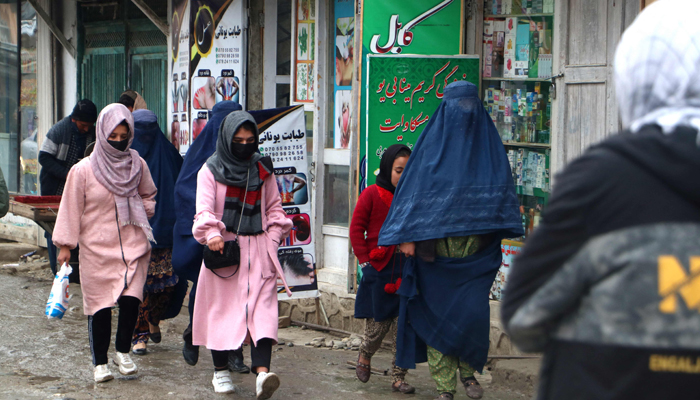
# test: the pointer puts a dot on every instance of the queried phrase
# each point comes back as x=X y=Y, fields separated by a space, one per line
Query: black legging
x=261 y=355
x=100 y=328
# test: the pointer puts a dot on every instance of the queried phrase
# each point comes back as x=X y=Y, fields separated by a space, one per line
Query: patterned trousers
x=374 y=334
x=443 y=370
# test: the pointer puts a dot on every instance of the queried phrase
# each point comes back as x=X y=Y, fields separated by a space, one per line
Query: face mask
x=119 y=144
x=243 y=151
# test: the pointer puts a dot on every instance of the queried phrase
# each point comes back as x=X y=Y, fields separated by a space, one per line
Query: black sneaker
x=190 y=352
x=236 y=362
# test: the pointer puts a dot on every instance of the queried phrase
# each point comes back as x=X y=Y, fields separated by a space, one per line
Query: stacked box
x=509 y=47
x=540 y=171
x=537 y=6
x=507 y=6
x=548 y=6
x=488 y=46
x=520 y=158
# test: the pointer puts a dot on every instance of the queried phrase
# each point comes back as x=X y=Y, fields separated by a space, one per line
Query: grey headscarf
x=227 y=168
x=242 y=211
x=657 y=67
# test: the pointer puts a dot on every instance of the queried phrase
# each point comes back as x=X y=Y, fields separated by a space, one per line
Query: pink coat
x=87 y=215
x=226 y=310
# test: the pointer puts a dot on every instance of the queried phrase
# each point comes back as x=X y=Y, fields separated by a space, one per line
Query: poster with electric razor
x=284 y=140
x=217 y=57
x=179 y=72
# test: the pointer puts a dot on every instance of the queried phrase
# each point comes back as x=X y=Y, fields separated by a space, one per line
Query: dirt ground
x=50 y=359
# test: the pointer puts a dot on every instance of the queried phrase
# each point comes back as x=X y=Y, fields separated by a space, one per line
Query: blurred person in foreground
x=608 y=286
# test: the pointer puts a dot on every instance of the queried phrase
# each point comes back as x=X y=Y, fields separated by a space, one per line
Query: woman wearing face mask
x=237 y=199
x=377 y=301
x=107 y=201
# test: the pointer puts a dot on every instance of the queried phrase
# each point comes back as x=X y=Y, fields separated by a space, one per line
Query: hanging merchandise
x=304 y=50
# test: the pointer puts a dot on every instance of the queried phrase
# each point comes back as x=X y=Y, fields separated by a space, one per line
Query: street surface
x=50 y=359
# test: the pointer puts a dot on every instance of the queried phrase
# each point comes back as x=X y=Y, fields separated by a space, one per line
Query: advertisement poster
x=304 y=50
x=217 y=57
x=345 y=115
x=402 y=94
x=179 y=75
x=426 y=27
x=283 y=138
x=509 y=249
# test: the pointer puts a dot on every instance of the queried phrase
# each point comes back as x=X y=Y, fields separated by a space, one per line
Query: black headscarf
x=387 y=164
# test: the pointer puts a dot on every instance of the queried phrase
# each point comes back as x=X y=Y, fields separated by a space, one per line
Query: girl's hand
x=216 y=244
x=409 y=249
x=63 y=256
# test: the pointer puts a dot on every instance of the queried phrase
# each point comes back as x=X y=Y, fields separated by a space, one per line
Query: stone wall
x=340 y=309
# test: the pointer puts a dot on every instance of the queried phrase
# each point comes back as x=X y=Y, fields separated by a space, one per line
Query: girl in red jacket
x=376 y=300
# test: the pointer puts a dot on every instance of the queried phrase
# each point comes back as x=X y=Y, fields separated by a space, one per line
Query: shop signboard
x=179 y=75
x=402 y=93
x=217 y=58
x=423 y=27
x=283 y=138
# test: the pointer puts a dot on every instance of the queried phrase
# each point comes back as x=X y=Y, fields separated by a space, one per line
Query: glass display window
x=517 y=93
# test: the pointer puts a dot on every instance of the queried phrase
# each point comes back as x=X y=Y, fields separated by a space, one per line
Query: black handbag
x=231 y=256
x=214 y=260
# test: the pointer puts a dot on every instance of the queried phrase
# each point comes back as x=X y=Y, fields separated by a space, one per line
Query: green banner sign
x=406 y=27
x=402 y=93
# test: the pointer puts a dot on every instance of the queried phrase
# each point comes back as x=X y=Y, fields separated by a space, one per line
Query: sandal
x=362 y=371
x=471 y=385
x=403 y=387
x=445 y=396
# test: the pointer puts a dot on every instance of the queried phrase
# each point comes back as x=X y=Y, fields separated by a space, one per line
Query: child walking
x=377 y=301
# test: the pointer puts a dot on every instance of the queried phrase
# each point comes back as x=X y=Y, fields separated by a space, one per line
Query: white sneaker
x=125 y=363
x=222 y=382
x=266 y=384
x=102 y=373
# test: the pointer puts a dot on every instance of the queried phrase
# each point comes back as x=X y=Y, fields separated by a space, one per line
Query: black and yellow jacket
x=608 y=286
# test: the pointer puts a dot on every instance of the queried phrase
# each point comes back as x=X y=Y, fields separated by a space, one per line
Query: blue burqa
x=457 y=183
x=164 y=162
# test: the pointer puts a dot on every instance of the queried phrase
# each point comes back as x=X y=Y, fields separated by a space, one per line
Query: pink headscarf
x=120 y=171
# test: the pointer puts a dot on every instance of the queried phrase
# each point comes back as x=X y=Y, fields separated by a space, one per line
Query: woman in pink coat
x=237 y=199
x=106 y=203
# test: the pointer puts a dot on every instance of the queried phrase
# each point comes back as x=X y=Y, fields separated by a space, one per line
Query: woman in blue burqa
x=454 y=203
x=164 y=162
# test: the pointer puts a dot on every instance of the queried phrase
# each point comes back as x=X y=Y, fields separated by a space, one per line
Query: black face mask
x=120 y=145
x=243 y=151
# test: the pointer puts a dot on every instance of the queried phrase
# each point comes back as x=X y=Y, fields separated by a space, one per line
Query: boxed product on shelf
x=545 y=66
x=534 y=48
x=522 y=42
x=488 y=47
x=507 y=6
x=519 y=167
x=509 y=47
x=548 y=6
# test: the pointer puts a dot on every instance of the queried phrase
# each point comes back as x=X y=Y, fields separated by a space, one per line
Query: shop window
x=516 y=76
x=9 y=99
x=336 y=205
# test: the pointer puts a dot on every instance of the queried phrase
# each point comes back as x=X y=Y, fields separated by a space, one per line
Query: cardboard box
x=545 y=66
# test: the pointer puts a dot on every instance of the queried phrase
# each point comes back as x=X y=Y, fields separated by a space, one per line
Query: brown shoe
x=363 y=371
x=471 y=385
x=402 y=387
x=445 y=396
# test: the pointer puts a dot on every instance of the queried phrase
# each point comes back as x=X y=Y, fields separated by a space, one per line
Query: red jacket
x=370 y=212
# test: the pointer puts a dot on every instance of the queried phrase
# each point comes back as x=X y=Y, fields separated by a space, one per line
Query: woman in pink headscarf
x=107 y=201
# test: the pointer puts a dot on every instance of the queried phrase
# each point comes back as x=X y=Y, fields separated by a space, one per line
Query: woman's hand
x=63 y=256
x=409 y=249
x=216 y=244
